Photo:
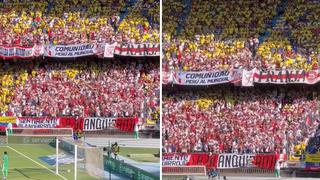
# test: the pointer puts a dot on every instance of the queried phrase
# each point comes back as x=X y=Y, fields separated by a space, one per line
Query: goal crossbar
x=47 y=132
x=43 y=132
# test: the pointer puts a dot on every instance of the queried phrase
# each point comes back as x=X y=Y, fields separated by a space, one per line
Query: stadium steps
x=125 y=12
x=124 y=142
x=186 y=11
x=145 y=14
x=274 y=21
x=50 y=6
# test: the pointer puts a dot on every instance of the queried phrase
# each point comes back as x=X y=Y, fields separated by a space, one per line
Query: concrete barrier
x=184 y=170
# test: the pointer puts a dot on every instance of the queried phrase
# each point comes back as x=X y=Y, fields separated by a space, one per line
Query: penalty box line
x=37 y=163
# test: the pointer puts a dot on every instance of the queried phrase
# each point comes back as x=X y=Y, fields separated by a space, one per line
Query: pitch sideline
x=37 y=163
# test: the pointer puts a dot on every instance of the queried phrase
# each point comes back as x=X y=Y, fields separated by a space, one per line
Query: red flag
x=308 y=120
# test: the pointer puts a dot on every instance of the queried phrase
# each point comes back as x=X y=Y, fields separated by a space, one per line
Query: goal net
x=89 y=158
x=65 y=156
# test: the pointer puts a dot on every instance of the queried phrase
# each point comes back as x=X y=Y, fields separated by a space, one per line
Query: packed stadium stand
x=89 y=67
x=236 y=120
x=88 y=89
x=240 y=77
x=89 y=86
x=27 y=23
x=207 y=35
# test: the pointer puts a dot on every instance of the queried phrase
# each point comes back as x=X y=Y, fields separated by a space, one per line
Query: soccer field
x=24 y=163
x=140 y=154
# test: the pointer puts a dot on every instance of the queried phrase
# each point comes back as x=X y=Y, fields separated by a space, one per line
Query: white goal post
x=48 y=132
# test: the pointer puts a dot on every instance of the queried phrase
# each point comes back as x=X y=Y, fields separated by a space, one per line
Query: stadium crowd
x=89 y=88
x=313 y=146
x=26 y=23
x=210 y=35
x=234 y=119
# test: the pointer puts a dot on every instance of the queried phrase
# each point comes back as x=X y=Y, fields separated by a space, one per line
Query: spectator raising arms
x=83 y=88
x=239 y=120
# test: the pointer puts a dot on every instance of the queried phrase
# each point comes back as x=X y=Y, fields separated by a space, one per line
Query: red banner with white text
x=70 y=122
x=220 y=161
x=126 y=124
x=83 y=124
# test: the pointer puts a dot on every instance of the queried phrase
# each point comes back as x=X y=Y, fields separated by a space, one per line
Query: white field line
x=37 y=163
x=29 y=167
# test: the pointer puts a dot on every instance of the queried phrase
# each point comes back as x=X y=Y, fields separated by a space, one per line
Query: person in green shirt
x=9 y=129
x=136 y=132
x=5 y=164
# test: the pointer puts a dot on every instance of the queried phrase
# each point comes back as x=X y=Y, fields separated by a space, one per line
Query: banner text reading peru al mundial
x=203 y=77
x=65 y=51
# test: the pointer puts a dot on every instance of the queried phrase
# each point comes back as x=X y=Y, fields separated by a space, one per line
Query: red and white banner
x=19 y=52
x=243 y=77
x=70 y=51
x=220 y=161
x=194 y=159
x=126 y=124
x=138 y=50
x=37 y=122
x=286 y=76
x=97 y=123
x=201 y=78
x=70 y=122
x=109 y=50
x=101 y=123
x=80 y=50
x=167 y=77
x=247 y=78
x=85 y=124
x=99 y=50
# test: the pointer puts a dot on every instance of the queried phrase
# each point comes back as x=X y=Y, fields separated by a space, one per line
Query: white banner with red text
x=137 y=50
x=37 y=122
x=19 y=52
x=286 y=76
x=109 y=50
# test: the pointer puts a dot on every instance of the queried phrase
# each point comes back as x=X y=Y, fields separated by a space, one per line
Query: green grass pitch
x=28 y=166
x=140 y=154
